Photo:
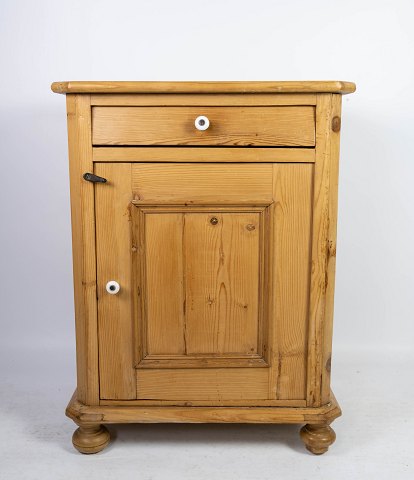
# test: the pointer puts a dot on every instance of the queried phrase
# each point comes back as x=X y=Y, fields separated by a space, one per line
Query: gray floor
x=374 y=436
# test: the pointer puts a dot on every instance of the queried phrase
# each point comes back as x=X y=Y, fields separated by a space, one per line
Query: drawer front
x=228 y=126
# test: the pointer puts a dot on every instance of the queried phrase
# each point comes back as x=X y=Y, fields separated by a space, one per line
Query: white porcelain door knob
x=202 y=122
x=112 y=287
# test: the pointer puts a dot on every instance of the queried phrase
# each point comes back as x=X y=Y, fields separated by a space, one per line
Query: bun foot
x=317 y=438
x=91 y=438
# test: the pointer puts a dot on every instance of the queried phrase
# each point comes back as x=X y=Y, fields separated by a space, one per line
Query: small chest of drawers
x=204 y=243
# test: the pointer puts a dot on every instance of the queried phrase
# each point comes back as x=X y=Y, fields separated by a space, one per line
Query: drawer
x=228 y=126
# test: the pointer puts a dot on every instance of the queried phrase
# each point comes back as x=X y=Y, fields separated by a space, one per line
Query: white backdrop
x=368 y=42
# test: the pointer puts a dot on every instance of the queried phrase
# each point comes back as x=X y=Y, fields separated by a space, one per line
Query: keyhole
x=112 y=288
x=201 y=122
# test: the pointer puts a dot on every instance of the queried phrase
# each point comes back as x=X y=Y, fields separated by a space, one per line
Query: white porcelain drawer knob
x=112 y=287
x=202 y=122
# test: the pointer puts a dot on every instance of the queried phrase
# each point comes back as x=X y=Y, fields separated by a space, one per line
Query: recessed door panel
x=208 y=265
x=162 y=283
x=222 y=272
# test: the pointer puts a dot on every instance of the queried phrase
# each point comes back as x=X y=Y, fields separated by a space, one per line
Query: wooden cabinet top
x=333 y=86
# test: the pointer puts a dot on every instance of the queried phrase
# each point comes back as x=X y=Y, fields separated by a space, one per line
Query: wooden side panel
x=290 y=257
x=323 y=250
x=331 y=253
x=163 y=289
x=205 y=183
x=222 y=282
x=114 y=260
x=229 y=126
x=207 y=384
x=83 y=245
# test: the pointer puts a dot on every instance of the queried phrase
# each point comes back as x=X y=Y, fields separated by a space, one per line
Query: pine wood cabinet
x=204 y=243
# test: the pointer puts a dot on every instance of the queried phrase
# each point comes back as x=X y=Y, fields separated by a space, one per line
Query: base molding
x=92 y=437
x=107 y=414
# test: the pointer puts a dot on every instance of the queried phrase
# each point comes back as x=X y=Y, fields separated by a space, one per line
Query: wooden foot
x=317 y=438
x=91 y=438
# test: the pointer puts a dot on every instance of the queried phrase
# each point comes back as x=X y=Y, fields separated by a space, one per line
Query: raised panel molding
x=212 y=308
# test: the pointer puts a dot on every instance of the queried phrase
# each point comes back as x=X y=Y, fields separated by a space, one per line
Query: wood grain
x=91 y=438
x=323 y=250
x=204 y=360
x=203 y=384
x=207 y=403
x=114 y=260
x=317 y=438
x=209 y=310
x=225 y=321
x=195 y=333
x=229 y=126
x=208 y=183
x=83 y=245
x=332 y=86
x=164 y=414
x=202 y=100
x=163 y=287
x=204 y=155
x=331 y=252
x=222 y=273
x=292 y=216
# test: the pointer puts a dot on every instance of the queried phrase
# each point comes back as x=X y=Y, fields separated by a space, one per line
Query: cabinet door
x=213 y=265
